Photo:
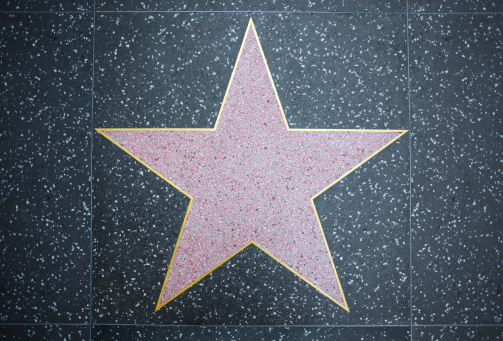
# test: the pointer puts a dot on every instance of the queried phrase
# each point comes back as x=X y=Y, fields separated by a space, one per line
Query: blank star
x=251 y=180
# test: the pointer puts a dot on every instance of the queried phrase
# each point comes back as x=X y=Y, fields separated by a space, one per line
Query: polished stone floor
x=415 y=231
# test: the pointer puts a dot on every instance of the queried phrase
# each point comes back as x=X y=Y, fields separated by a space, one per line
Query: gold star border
x=250 y=24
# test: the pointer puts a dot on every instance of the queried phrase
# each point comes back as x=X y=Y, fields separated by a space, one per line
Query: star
x=251 y=180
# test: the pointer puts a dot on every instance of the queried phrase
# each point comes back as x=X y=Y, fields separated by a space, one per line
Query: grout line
x=407 y=12
x=459 y=13
x=251 y=12
x=295 y=12
x=298 y=326
x=42 y=324
x=252 y=326
x=46 y=12
x=92 y=145
x=460 y=325
x=410 y=171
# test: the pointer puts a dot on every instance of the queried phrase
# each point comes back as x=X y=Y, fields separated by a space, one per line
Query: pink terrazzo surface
x=251 y=180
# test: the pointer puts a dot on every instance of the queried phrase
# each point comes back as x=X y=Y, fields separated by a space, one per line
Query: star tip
x=403 y=132
x=343 y=305
x=251 y=25
x=159 y=306
x=101 y=131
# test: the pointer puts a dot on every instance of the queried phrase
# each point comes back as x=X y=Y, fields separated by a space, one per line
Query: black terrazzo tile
x=455 y=6
x=171 y=70
x=46 y=5
x=339 y=6
x=456 y=80
x=45 y=165
x=163 y=70
x=482 y=333
x=201 y=5
x=137 y=216
x=249 y=333
x=44 y=332
x=338 y=71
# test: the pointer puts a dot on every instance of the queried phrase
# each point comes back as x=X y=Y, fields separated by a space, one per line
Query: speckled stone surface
x=158 y=333
x=455 y=6
x=169 y=63
x=250 y=5
x=339 y=71
x=457 y=124
x=332 y=70
x=338 y=6
x=482 y=333
x=46 y=5
x=46 y=333
x=45 y=164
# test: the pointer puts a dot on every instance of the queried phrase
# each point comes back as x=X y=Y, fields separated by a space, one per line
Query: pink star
x=251 y=180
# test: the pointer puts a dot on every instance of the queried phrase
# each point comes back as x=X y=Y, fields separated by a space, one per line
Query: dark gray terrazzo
x=456 y=81
x=250 y=5
x=156 y=333
x=344 y=71
x=46 y=5
x=455 y=6
x=339 y=6
x=163 y=70
x=45 y=88
x=482 y=333
x=46 y=333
